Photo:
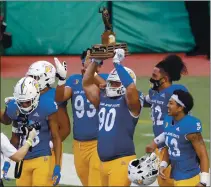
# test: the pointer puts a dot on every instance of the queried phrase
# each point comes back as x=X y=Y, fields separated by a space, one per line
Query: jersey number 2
x=156 y=110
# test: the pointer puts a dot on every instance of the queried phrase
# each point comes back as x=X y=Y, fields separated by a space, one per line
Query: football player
x=45 y=73
x=164 y=74
x=29 y=109
x=119 y=108
x=85 y=119
x=186 y=149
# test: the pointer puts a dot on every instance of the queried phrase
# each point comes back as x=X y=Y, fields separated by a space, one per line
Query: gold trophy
x=108 y=38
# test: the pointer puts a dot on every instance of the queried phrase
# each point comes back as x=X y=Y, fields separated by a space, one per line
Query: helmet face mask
x=116 y=91
x=26 y=94
x=44 y=72
x=144 y=171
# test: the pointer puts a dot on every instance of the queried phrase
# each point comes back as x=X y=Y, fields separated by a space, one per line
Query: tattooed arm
x=198 y=144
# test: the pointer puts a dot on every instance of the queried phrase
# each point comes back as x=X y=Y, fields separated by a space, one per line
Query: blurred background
x=152 y=29
x=64 y=28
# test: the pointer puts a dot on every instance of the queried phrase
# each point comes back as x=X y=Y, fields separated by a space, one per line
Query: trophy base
x=102 y=51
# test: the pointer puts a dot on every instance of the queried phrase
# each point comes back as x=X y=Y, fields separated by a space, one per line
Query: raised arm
x=92 y=91
x=132 y=94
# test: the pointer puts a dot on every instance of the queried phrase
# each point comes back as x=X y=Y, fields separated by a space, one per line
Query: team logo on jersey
x=198 y=126
x=132 y=75
x=76 y=81
x=17 y=112
x=166 y=124
x=177 y=129
x=36 y=115
x=48 y=69
x=163 y=95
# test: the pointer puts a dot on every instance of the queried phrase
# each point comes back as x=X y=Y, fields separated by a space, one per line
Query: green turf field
x=198 y=86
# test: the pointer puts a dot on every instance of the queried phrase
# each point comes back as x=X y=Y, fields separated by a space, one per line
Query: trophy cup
x=108 y=38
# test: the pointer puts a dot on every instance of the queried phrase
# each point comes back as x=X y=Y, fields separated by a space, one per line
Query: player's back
x=184 y=160
x=159 y=102
x=116 y=128
x=39 y=116
x=85 y=118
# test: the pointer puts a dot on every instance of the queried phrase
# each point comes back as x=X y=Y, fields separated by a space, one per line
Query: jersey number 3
x=35 y=141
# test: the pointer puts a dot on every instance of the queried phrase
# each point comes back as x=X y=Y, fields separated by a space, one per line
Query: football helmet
x=113 y=76
x=27 y=91
x=144 y=171
x=44 y=72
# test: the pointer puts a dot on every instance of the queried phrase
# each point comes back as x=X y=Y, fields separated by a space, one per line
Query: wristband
x=124 y=76
x=30 y=139
x=204 y=177
x=29 y=143
x=164 y=164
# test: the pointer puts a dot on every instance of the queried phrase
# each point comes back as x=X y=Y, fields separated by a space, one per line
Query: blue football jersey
x=116 y=128
x=85 y=119
x=46 y=107
x=159 y=102
x=183 y=158
x=51 y=93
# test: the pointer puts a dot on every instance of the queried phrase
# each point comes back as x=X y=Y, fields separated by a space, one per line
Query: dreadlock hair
x=186 y=98
x=173 y=66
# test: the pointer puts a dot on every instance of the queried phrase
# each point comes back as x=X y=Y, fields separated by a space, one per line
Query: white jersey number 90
x=106 y=119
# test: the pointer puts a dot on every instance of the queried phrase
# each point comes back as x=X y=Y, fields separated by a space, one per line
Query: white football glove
x=61 y=71
x=119 y=56
x=8 y=99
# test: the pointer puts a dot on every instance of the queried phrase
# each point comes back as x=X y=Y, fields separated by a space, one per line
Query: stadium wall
x=65 y=28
